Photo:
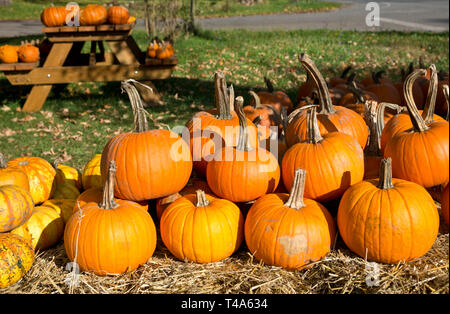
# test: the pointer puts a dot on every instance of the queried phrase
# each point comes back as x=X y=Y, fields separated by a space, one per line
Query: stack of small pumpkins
x=90 y=15
x=160 y=49
x=26 y=52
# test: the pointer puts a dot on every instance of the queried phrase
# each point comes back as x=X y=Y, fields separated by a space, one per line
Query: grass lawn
x=31 y=9
x=76 y=122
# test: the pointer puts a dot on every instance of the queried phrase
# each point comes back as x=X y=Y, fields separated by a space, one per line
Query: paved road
x=401 y=15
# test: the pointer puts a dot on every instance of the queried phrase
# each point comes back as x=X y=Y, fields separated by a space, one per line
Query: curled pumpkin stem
x=312 y=132
x=243 y=144
x=295 y=200
x=418 y=122
x=140 y=119
x=430 y=104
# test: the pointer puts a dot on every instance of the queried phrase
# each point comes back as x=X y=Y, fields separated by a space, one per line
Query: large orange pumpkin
x=146 y=159
x=118 y=15
x=112 y=237
x=334 y=161
x=28 y=53
x=16 y=258
x=202 y=228
x=289 y=231
x=40 y=174
x=242 y=173
x=331 y=118
x=12 y=175
x=16 y=205
x=54 y=16
x=93 y=14
x=8 y=54
x=420 y=154
x=388 y=220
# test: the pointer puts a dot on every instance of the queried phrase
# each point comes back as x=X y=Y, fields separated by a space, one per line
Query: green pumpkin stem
x=202 y=201
x=222 y=96
x=139 y=114
x=243 y=126
x=108 y=189
x=3 y=163
x=430 y=104
x=312 y=126
x=385 y=179
x=326 y=105
x=295 y=200
x=418 y=122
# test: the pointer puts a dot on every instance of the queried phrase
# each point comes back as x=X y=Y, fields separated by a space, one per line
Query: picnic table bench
x=65 y=62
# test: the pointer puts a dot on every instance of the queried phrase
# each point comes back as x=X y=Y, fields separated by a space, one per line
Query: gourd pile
x=219 y=184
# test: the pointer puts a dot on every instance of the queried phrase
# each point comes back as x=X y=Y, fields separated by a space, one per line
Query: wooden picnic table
x=65 y=62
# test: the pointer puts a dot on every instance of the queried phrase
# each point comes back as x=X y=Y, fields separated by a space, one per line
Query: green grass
x=77 y=121
x=31 y=9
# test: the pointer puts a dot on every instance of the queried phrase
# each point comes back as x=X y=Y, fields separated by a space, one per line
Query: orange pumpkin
x=152 y=48
x=289 y=231
x=93 y=14
x=334 y=161
x=16 y=205
x=40 y=174
x=202 y=228
x=165 y=50
x=67 y=175
x=54 y=16
x=118 y=15
x=124 y=234
x=12 y=175
x=142 y=154
x=28 y=53
x=331 y=118
x=242 y=173
x=8 y=54
x=276 y=99
x=384 y=90
x=388 y=220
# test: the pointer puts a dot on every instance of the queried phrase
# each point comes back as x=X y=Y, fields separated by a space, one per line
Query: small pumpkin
x=54 y=16
x=153 y=47
x=165 y=50
x=16 y=259
x=124 y=234
x=93 y=14
x=43 y=229
x=388 y=220
x=118 y=15
x=64 y=207
x=12 y=175
x=40 y=174
x=8 y=54
x=67 y=175
x=384 y=89
x=201 y=228
x=91 y=176
x=276 y=99
x=289 y=230
x=28 y=53
x=16 y=205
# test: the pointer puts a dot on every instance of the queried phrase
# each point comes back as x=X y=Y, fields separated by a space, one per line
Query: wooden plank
x=26 y=66
x=134 y=47
x=36 y=98
x=50 y=30
x=82 y=29
x=87 y=36
x=7 y=66
x=68 y=29
x=123 y=52
x=154 y=61
x=92 y=55
x=123 y=27
x=106 y=73
x=58 y=54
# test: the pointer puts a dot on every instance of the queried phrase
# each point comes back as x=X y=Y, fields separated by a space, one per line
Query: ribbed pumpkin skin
x=286 y=237
x=202 y=234
x=40 y=176
x=66 y=191
x=399 y=123
x=8 y=54
x=91 y=176
x=54 y=16
x=28 y=53
x=145 y=162
x=118 y=15
x=16 y=205
x=343 y=120
x=333 y=165
x=444 y=205
x=93 y=14
x=64 y=207
x=14 y=176
x=44 y=228
x=69 y=175
x=110 y=241
x=16 y=258
x=421 y=157
x=242 y=176
x=397 y=224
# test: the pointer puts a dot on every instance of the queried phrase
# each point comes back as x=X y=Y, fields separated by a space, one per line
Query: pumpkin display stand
x=65 y=62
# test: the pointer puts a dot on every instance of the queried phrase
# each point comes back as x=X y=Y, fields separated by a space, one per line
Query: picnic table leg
x=39 y=93
x=123 y=52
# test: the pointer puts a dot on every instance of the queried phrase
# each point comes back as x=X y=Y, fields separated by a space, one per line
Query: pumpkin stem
x=357 y=92
x=371 y=118
x=381 y=108
x=345 y=72
x=269 y=85
x=284 y=123
x=312 y=132
x=222 y=96
x=418 y=122
x=140 y=119
x=428 y=110
x=3 y=163
x=243 y=126
x=108 y=189
x=202 y=201
x=376 y=76
x=326 y=105
x=295 y=200
x=385 y=180
x=256 y=99
x=231 y=97
x=446 y=95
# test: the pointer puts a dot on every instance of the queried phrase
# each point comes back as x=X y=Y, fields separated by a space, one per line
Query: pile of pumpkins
x=160 y=49
x=27 y=52
x=90 y=15
x=218 y=183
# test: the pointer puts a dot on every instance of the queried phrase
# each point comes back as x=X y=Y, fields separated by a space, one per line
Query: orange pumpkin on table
x=118 y=15
x=28 y=53
x=93 y=14
x=54 y=16
x=8 y=54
